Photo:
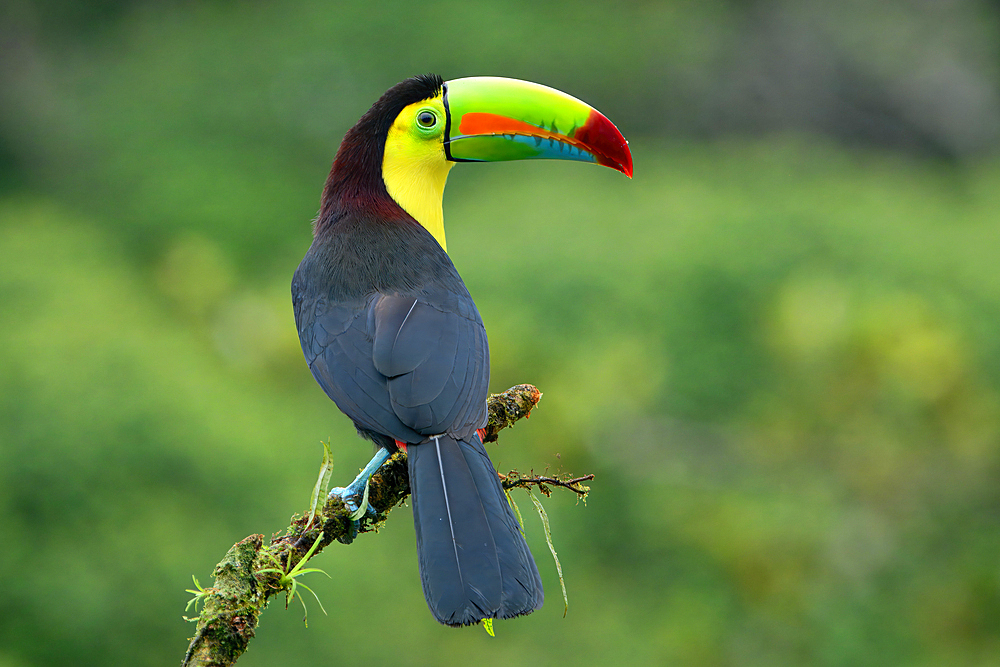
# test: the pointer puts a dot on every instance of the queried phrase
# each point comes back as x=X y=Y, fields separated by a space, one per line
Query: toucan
x=392 y=335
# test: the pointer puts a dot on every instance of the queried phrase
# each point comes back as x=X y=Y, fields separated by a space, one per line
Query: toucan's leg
x=355 y=495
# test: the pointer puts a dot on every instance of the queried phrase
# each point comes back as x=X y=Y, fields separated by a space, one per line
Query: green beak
x=492 y=119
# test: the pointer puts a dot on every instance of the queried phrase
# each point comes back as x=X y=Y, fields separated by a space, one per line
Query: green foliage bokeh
x=780 y=356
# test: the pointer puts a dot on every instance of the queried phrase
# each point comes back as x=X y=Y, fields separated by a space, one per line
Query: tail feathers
x=474 y=562
x=522 y=585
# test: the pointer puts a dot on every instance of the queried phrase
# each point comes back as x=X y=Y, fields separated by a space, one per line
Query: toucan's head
x=408 y=141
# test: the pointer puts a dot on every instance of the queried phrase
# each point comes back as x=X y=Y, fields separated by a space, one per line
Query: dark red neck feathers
x=355 y=181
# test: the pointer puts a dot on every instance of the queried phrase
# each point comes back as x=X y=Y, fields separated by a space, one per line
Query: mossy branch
x=246 y=579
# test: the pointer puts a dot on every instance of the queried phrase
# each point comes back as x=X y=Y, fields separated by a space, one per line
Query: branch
x=514 y=480
x=247 y=578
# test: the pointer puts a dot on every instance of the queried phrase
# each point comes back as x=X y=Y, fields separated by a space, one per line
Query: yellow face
x=414 y=166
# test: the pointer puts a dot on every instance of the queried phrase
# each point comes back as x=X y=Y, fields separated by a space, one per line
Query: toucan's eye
x=426 y=119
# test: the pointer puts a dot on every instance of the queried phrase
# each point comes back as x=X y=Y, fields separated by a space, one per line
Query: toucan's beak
x=492 y=119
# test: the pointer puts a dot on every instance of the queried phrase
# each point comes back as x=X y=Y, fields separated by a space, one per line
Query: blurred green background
x=778 y=347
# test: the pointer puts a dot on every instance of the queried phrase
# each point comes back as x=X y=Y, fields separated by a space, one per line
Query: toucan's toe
x=357 y=505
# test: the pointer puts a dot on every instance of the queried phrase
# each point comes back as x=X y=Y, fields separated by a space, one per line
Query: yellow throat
x=414 y=167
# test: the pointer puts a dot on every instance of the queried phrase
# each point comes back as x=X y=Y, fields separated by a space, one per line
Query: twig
x=514 y=480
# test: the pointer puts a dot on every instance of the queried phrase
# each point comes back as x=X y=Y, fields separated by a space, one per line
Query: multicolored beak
x=492 y=119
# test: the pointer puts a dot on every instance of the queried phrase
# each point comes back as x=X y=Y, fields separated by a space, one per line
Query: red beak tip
x=626 y=166
x=625 y=163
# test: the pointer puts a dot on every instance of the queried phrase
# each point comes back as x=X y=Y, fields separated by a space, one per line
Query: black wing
x=405 y=366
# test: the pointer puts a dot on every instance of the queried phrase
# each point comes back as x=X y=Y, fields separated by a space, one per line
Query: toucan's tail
x=474 y=562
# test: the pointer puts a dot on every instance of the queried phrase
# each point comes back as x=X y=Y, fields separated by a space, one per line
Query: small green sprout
x=289 y=580
x=322 y=485
x=199 y=596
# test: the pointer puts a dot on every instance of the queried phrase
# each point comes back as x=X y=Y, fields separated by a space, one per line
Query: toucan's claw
x=356 y=506
x=355 y=496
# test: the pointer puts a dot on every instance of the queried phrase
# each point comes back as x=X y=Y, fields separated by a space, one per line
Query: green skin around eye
x=426 y=120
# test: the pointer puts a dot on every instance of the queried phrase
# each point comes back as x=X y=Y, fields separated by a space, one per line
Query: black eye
x=426 y=119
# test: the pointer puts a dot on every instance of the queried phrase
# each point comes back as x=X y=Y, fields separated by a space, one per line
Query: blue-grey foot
x=355 y=495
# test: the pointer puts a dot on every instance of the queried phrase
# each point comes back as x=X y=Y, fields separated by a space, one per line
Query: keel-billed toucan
x=393 y=337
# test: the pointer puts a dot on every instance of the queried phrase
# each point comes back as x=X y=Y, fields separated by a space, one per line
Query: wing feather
x=405 y=365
